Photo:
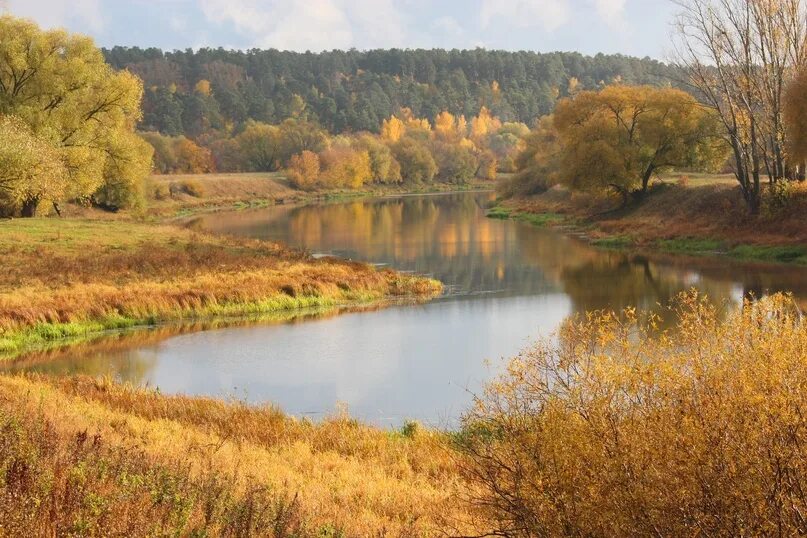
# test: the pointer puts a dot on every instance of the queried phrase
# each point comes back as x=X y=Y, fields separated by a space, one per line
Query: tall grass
x=95 y=279
x=93 y=458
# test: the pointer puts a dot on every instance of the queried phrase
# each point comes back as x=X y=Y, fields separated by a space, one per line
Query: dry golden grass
x=96 y=458
x=66 y=278
x=709 y=207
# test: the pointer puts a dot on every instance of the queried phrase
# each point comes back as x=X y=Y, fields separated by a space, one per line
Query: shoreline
x=650 y=226
x=86 y=277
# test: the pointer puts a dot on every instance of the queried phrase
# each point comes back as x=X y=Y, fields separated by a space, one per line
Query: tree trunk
x=29 y=207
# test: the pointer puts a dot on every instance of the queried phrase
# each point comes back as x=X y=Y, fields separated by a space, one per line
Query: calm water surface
x=507 y=284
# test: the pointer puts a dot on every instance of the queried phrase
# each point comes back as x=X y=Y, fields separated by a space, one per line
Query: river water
x=507 y=284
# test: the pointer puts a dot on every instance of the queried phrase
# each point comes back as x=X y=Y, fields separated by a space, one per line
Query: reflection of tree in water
x=447 y=236
x=618 y=280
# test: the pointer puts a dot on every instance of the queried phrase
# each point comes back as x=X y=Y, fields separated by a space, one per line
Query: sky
x=634 y=27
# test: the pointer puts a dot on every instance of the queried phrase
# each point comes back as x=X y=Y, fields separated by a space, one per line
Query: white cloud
x=447 y=27
x=548 y=14
x=611 y=11
x=313 y=24
x=52 y=14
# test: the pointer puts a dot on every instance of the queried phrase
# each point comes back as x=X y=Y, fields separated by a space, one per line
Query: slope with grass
x=92 y=458
x=71 y=278
x=703 y=216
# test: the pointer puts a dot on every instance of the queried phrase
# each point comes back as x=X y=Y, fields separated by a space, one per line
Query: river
x=507 y=284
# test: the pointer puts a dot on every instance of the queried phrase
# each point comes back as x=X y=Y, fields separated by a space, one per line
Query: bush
x=623 y=428
x=191 y=187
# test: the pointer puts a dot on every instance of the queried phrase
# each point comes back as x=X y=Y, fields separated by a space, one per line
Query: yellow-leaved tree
x=622 y=136
x=30 y=168
x=59 y=85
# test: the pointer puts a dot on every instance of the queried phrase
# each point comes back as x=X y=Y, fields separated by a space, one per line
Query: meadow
x=76 y=277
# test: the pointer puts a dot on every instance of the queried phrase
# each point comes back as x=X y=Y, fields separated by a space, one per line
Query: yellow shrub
x=620 y=428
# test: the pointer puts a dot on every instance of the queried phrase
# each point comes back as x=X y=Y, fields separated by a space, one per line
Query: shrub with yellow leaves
x=619 y=427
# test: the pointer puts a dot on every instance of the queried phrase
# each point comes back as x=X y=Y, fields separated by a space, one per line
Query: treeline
x=407 y=149
x=191 y=92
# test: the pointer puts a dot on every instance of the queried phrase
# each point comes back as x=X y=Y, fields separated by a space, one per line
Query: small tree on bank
x=622 y=136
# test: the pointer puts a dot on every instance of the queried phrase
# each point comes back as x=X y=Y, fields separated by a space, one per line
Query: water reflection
x=509 y=282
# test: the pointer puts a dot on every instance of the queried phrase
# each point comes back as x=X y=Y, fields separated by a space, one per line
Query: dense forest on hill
x=190 y=92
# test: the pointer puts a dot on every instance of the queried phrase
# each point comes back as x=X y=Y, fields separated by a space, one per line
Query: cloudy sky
x=636 y=27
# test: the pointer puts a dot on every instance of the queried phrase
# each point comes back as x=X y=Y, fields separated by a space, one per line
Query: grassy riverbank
x=171 y=196
x=93 y=458
x=705 y=216
x=69 y=278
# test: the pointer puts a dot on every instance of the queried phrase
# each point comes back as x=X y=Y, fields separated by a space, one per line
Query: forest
x=189 y=92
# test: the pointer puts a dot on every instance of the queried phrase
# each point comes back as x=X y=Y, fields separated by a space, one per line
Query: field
x=70 y=278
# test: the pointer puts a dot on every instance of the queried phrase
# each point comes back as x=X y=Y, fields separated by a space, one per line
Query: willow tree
x=30 y=168
x=739 y=55
x=59 y=85
x=622 y=136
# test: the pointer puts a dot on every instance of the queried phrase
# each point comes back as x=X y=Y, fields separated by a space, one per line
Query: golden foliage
x=303 y=171
x=621 y=428
x=59 y=85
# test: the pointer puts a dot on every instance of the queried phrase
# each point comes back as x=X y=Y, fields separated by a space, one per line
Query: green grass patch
x=536 y=219
x=498 y=212
x=614 y=242
x=690 y=245
x=781 y=254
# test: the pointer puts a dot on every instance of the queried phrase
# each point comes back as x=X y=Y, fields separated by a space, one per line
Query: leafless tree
x=739 y=55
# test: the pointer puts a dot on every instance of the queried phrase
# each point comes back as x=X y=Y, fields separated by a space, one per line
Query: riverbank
x=705 y=218
x=174 y=196
x=94 y=458
x=72 y=278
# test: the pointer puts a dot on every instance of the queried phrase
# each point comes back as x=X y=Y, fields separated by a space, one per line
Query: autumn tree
x=417 y=162
x=622 y=136
x=344 y=166
x=739 y=55
x=31 y=169
x=795 y=116
x=192 y=158
x=303 y=170
x=296 y=136
x=260 y=147
x=538 y=164
x=59 y=85
x=455 y=163
x=385 y=169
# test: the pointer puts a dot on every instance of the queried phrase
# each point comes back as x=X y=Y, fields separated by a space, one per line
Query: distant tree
x=416 y=161
x=455 y=163
x=303 y=170
x=165 y=160
x=538 y=164
x=345 y=167
x=392 y=129
x=484 y=124
x=260 y=147
x=296 y=136
x=192 y=158
x=385 y=169
x=59 y=85
x=31 y=169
